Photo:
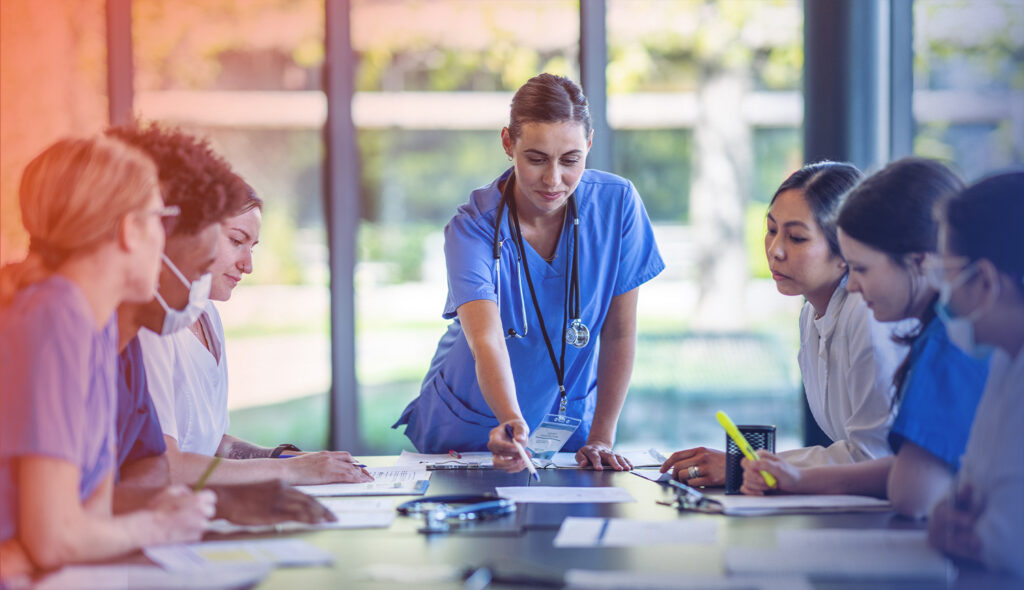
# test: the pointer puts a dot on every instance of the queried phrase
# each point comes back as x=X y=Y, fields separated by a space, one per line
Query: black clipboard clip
x=690 y=499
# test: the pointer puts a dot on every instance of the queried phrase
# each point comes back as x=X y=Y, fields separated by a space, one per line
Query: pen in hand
x=522 y=453
x=206 y=474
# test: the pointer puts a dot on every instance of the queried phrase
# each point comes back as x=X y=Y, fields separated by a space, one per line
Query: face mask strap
x=177 y=273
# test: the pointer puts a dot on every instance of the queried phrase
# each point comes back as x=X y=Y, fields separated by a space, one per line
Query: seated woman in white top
x=847 y=358
x=982 y=305
x=188 y=380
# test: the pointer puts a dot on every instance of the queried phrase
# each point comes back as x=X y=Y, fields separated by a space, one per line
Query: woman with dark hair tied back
x=981 y=278
x=888 y=234
x=847 y=358
x=544 y=265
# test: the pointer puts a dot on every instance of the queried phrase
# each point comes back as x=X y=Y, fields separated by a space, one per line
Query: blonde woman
x=92 y=209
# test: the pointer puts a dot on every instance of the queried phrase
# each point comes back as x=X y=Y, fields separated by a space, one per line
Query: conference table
x=518 y=548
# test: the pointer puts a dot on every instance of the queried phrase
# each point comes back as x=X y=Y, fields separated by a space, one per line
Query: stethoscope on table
x=574 y=331
x=437 y=511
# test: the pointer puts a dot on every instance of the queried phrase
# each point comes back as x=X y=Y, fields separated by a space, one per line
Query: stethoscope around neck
x=574 y=331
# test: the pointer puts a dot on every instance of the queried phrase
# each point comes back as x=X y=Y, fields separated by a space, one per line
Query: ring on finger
x=693 y=472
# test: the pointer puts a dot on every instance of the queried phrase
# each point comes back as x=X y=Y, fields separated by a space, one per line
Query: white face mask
x=961 y=329
x=176 y=320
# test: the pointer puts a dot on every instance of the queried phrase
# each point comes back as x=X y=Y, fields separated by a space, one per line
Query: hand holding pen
x=502 y=444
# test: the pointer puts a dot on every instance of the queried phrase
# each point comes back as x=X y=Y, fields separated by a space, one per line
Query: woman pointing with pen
x=544 y=265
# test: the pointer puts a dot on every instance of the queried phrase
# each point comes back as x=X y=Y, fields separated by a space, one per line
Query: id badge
x=551 y=435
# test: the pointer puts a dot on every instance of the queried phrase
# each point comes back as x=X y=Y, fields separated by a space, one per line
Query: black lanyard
x=507 y=198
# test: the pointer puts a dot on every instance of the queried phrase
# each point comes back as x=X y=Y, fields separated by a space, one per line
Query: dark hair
x=192 y=175
x=824 y=185
x=548 y=99
x=892 y=211
x=251 y=201
x=986 y=220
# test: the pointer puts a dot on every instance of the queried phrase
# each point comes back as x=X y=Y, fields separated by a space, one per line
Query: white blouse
x=994 y=464
x=847 y=360
x=189 y=384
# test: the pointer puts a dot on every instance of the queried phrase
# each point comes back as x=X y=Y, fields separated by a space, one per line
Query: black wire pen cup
x=759 y=436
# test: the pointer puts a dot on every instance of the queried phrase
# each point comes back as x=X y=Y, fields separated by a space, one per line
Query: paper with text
x=387 y=481
x=278 y=552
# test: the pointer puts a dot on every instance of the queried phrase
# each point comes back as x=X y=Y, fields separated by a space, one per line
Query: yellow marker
x=206 y=474
x=744 y=445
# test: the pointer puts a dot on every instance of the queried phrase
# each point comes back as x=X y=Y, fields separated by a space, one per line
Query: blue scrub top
x=939 y=397
x=617 y=254
x=138 y=428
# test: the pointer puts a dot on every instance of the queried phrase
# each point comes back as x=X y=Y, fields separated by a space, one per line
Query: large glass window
x=431 y=99
x=705 y=104
x=969 y=83
x=246 y=75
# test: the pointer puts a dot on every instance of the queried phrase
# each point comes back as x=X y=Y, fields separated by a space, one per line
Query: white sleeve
x=1001 y=525
x=158 y=356
x=873 y=359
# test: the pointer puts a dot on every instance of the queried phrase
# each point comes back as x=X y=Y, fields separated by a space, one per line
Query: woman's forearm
x=232 y=447
x=482 y=327
x=614 y=366
x=866 y=478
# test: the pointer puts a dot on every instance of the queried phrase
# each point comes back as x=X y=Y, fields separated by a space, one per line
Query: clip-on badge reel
x=438 y=511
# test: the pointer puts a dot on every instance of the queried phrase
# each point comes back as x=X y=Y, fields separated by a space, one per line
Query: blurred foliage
x=400 y=246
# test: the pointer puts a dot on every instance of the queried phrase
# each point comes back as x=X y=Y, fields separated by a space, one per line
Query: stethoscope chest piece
x=577 y=334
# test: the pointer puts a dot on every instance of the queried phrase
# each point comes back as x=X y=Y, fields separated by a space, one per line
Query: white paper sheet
x=480 y=459
x=279 y=552
x=845 y=554
x=387 y=481
x=352 y=513
x=132 y=577
x=636 y=580
x=797 y=504
x=565 y=495
x=623 y=532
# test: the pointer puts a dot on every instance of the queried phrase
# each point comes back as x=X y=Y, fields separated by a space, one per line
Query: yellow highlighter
x=741 y=442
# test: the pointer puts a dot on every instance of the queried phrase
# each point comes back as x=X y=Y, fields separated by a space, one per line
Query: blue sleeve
x=44 y=368
x=639 y=259
x=138 y=428
x=939 y=397
x=469 y=260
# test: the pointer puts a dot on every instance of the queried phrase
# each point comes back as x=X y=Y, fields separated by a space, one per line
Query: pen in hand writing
x=522 y=453
x=206 y=474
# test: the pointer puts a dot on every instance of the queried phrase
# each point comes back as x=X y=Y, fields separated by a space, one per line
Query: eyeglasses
x=165 y=212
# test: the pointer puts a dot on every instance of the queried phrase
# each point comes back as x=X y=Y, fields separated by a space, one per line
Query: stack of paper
x=623 y=532
x=797 y=504
x=846 y=554
x=387 y=481
x=352 y=513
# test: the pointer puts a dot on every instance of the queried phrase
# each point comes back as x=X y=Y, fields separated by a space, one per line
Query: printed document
x=797 y=504
x=387 y=481
x=279 y=552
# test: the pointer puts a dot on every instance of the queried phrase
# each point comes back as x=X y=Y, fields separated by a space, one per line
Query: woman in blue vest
x=544 y=266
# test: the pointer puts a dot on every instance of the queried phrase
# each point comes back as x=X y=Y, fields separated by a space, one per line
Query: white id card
x=551 y=434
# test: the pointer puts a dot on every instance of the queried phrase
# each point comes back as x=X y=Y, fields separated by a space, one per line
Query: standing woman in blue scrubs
x=544 y=266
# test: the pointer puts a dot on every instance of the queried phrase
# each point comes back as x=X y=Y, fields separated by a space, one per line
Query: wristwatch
x=282 y=448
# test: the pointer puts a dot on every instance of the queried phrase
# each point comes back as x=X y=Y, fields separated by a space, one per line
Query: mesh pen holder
x=759 y=436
